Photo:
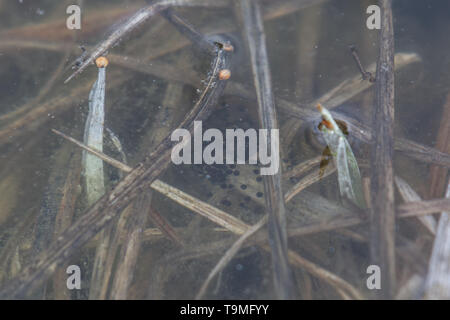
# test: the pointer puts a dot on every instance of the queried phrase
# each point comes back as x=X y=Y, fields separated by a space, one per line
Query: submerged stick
x=130 y=249
x=382 y=179
x=254 y=33
x=308 y=180
x=115 y=163
x=187 y=30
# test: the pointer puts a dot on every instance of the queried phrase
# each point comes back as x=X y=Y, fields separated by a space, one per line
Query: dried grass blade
x=408 y=194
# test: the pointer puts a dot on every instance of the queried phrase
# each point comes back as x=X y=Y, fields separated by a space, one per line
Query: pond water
x=154 y=77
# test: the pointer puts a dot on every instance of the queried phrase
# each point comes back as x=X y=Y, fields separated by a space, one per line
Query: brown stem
x=438 y=175
x=382 y=177
x=255 y=35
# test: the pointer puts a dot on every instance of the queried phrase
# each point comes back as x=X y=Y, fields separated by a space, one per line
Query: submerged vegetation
x=86 y=176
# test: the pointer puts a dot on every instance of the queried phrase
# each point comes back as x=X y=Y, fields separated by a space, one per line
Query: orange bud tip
x=101 y=62
x=224 y=74
x=319 y=107
x=228 y=47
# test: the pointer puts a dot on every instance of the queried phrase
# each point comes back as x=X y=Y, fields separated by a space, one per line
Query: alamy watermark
x=258 y=143
x=374 y=20
x=374 y=280
x=74 y=278
x=74 y=20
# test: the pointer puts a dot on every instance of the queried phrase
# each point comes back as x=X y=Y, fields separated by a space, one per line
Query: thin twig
x=130 y=248
x=438 y=175
x=119 y=237
x=424 y=207
x=344 y=219
x=325 y=275
x=302 y=168
x=98 y=153
x=255 y=36
x=187 y=30
x=366 y=75
x=382 y=178
x=408 y=194
x=308 y=180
